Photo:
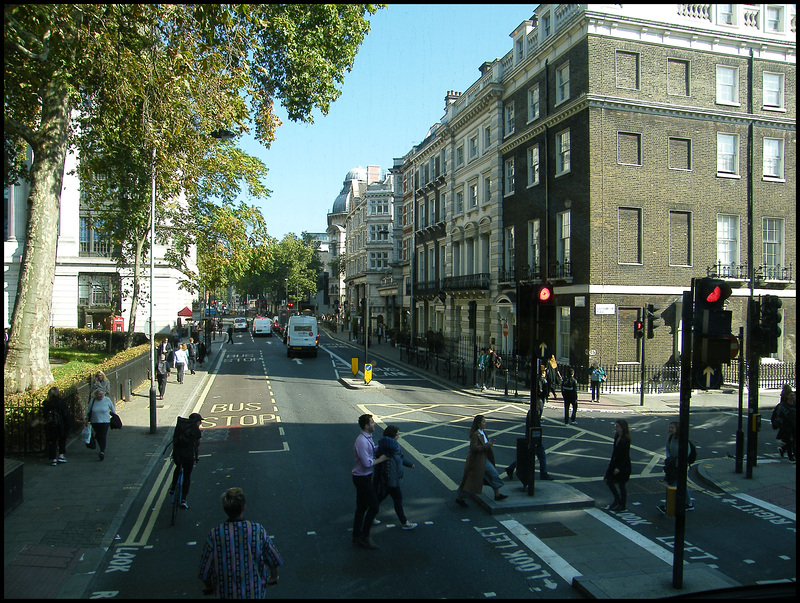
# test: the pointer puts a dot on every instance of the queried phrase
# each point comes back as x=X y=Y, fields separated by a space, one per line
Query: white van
x=262 y=326
x=302 y=336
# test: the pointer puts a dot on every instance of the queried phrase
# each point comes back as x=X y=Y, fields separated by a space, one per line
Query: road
x=283 y=429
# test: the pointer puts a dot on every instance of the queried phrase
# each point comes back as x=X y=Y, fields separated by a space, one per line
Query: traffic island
x=358 y=383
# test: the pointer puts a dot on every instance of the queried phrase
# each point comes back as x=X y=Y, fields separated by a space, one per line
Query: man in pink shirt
x=366 y=499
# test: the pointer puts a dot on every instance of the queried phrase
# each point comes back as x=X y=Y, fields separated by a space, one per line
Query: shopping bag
x=87 y=435
x=116 y=422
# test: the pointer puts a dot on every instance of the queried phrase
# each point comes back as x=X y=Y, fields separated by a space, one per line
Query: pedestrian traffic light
x=544 y=294
x=769 y=331
x=638 y=329
x=652 y=321
x=712 y=324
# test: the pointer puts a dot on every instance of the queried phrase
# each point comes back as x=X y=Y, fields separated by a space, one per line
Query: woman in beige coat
x=480 y=465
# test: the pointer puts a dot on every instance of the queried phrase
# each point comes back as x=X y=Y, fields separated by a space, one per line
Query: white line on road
x=557 y=563
x=632 y=535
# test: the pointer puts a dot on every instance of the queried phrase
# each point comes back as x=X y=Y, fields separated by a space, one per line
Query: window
x=459 y=202
x=727 y=85
x=378 y=206
x=460 y=156
x=772 y=235
x=562 y=83
x=508 y=189
x=509 y=113
x=520 y=49
x=630 y=235
x=773 y=90
x=533 y=103
x=562 y=152
x=680 y=238
x=725 y=14
x=678 y=77
x=378 y=232
x=509 y=251
x=545 y=26
x=773 y=158
x=473 y=195
x=473 y=147
x=628 y=70
x=680 y=154
x=456 y=259
x=727 y=240
x=96 y=289
x=487 y=190
x=378 y=260
x=563 y=252
x=629 y=148
x=487 y=137
x=727 y=153
x=564 y=336
x=92 y=243
x=533 y=165
x=533 y=246
x=774 y=20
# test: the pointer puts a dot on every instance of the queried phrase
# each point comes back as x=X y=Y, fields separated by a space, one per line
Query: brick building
x=608 y=154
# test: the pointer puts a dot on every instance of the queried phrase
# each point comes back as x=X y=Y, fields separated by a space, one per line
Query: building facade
x=88 y=286
x=615 y=154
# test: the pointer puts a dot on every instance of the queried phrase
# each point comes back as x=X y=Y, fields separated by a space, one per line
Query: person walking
x=57 y=424
x=480 y=464
x=492 y=364
x=99 y=415
x=366 y=500
x=102 y=383
x=784 y=419
x=596 y=375
x=185 y=452
x=553 y=376
x=482 y=369
x=162 y=372
x=671 y=463
x=166 y=348
x=388 y=475
x=569 y=392
x=239 y=559
x=181 y=360
x=619 y=468
x=541 y=453
x=230 y=334
x=191 y=349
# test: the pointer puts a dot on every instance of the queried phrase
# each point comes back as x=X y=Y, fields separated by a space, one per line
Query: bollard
x=672 y=493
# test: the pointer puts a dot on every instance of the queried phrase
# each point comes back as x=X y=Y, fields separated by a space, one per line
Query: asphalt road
x=283 y=429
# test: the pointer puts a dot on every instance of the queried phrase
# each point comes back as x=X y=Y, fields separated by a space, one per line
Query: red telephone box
x=115 y=323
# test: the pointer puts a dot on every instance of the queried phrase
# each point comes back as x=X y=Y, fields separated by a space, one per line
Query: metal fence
x=24 y=424
x=455 y=360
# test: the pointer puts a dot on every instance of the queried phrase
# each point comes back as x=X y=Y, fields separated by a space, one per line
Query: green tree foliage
x=181 y=72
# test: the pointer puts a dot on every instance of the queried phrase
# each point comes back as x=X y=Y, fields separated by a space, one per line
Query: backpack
x=182 y=436
x=53 y=419
x=692 y=453
x=777 y=417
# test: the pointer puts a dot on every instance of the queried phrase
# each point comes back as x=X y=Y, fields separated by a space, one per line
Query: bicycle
x=177 y=493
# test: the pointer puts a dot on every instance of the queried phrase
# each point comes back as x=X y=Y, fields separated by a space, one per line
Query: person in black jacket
x=57 y=424
x=388 y=475
x=619 y=469
x=185 y=452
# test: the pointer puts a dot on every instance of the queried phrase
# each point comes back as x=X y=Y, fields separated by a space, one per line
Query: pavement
x=61 y=533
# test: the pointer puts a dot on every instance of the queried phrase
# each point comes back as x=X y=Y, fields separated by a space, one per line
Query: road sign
x=367 y=373
x=734 y=346
x=354 y=366
x=505 y=329
x=708 y=377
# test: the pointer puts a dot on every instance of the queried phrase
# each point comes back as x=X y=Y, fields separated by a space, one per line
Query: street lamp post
x=152 y=295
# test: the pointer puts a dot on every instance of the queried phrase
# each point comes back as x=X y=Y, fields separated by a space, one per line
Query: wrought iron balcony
x=774 y=272
x=468 y=281
x=732 y=271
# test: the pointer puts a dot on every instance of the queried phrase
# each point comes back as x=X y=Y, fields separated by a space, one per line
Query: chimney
x=450 y=98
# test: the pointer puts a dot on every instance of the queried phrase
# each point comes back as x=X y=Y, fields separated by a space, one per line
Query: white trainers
x=376 y=522
x=409 y=525
x=62 y=459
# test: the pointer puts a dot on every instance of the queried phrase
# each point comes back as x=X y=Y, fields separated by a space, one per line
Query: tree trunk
x=137 y=289
x=28 y=363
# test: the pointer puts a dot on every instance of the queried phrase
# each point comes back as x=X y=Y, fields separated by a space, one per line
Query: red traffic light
x=290 y=305
x=711 y=293
x=638 y=329
x=545 y=294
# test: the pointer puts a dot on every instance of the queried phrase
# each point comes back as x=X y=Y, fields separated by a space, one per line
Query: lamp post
x=152 y=294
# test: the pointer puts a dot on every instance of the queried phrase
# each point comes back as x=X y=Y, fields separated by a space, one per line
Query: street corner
x=360 y=384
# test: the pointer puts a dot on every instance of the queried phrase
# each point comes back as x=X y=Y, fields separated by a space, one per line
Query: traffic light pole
x=739 y=433
x=753 y=366
x=641 y=386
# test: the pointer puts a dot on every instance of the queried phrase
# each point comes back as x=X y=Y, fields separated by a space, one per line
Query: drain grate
x=554 y=529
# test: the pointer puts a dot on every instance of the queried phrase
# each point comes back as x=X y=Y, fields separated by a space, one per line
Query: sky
x=413 y=55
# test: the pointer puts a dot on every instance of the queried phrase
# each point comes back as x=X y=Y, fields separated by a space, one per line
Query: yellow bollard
x=354 y=366
x=672 y=493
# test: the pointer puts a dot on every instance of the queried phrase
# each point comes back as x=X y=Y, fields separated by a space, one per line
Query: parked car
x=239 y=324
x=302 y=336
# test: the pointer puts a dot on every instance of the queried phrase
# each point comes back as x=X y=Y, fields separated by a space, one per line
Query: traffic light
x=712 y=325
x=652 y=321
x=638 y=329
x=770 y=332
x=544 y=294
x=290 y=305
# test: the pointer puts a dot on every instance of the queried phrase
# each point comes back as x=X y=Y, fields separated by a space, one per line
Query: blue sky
x=412 y=56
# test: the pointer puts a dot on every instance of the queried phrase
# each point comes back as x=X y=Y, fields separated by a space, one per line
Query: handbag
x=116 y=422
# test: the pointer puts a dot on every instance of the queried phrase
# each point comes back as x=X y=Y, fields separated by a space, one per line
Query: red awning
x=186 y=312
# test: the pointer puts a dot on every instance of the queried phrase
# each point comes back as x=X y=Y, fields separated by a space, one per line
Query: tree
x=233 y=62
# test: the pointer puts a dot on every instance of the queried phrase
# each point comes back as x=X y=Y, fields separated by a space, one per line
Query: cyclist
x=185 y=452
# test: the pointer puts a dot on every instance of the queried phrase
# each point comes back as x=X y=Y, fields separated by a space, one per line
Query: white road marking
x=557 y=563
